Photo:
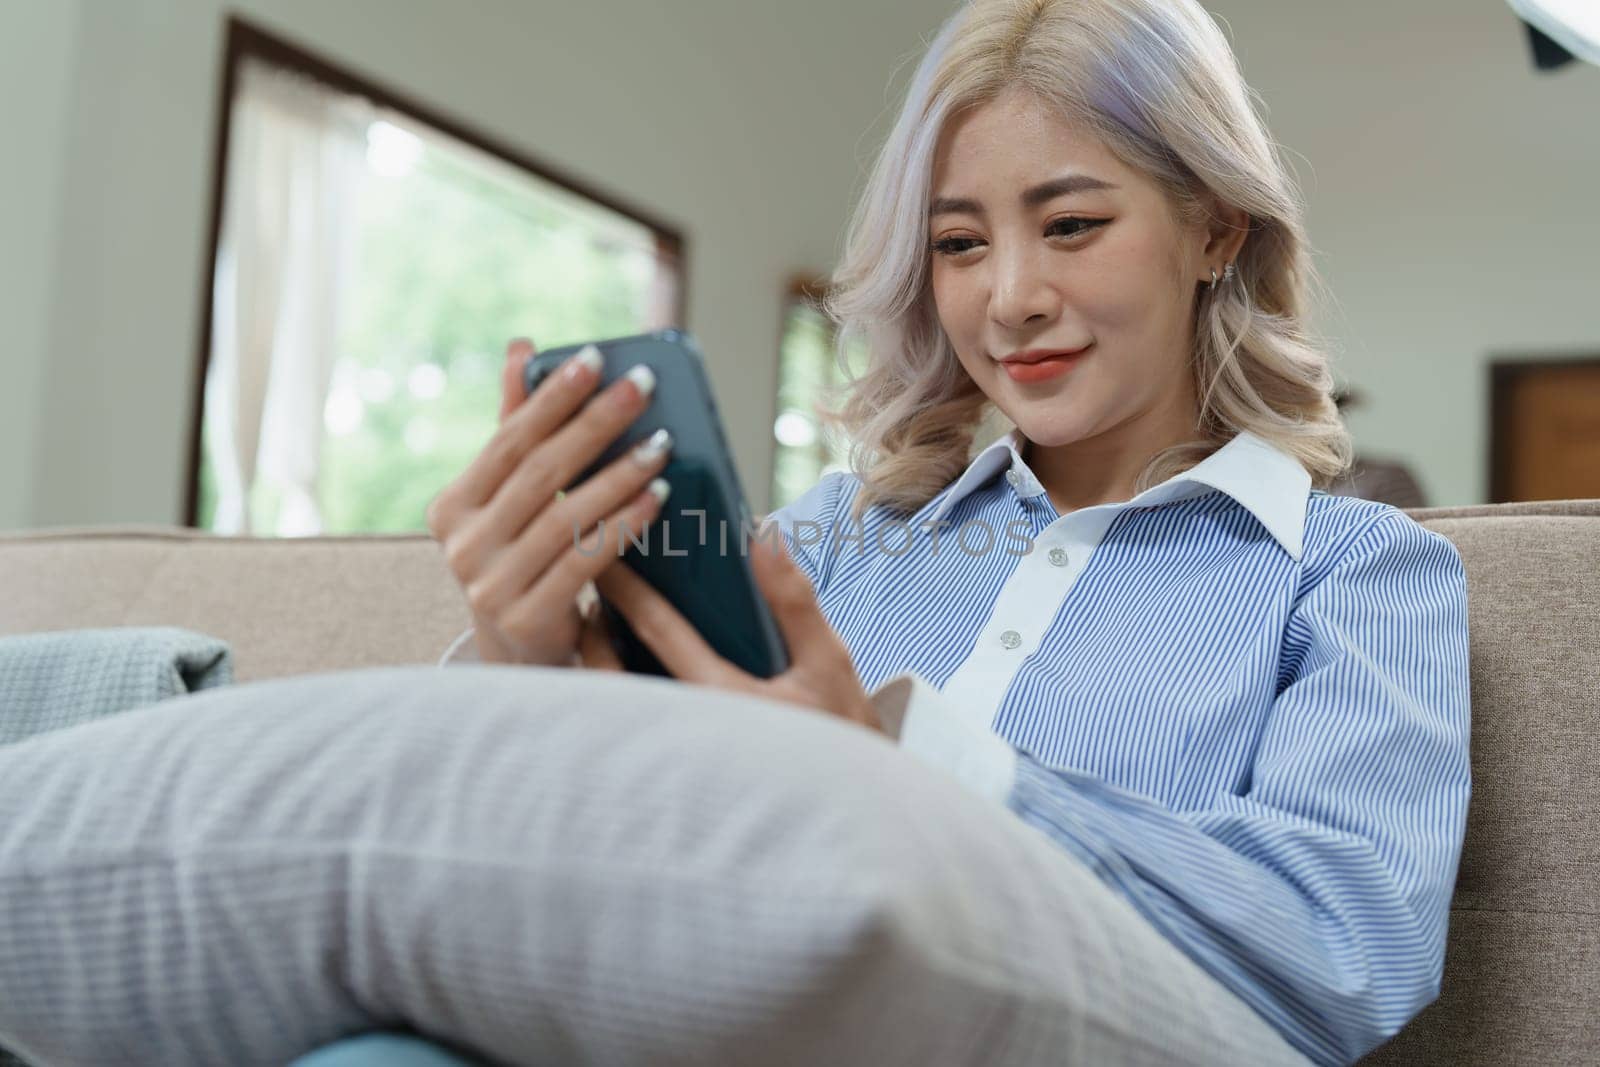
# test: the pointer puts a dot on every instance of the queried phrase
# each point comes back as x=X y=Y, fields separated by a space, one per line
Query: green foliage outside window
x=453 y=259
x=808 y=367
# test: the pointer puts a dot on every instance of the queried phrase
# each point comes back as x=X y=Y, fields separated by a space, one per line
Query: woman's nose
x=1020 y=293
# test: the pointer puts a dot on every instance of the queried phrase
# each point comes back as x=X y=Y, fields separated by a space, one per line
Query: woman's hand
x=821 y=673
x=513 y=543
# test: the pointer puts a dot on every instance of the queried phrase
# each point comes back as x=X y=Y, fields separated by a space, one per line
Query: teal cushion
x=383 y=1050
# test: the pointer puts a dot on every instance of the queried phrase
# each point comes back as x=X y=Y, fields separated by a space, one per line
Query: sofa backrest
x=286 y=605
x=1522 y=969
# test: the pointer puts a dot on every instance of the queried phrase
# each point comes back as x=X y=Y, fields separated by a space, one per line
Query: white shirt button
x=1014 y=477
x=1058 y=557
x=1011 y=639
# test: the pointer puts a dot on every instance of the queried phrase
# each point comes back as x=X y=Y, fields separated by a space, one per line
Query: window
x=371 y=262
x=808 y=368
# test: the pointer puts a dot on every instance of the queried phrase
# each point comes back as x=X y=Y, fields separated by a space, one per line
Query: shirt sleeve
x=812 y=522
x=923 y=723
x=1319 y=889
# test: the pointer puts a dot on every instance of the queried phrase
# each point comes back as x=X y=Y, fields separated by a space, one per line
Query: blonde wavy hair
x=1158 y=83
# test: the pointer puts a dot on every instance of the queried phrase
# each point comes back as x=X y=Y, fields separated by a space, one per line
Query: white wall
x=1451 y=192
x=36 y=43
x=1454 y=196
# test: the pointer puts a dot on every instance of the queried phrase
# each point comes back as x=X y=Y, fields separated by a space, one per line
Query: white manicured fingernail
x=642 y=377
x=660 y=489
x=650 y=449
x=588 y=358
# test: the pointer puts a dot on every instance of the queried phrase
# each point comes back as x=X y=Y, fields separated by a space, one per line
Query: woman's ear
x=1227 y=227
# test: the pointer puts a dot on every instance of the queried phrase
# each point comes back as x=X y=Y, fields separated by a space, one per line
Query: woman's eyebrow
x=1039 y=194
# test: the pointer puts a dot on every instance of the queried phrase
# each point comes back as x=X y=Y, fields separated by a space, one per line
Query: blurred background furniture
x=1382 y=480
x=1388 y=481
x=1523 y=960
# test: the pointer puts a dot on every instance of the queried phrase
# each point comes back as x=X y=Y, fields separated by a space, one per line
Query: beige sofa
x=1522 y=977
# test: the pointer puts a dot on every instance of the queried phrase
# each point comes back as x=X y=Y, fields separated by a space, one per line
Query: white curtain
x=296 y=156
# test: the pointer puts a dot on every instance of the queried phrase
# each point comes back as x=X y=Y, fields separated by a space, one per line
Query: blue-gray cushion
x=554 y=866
x=60 y=678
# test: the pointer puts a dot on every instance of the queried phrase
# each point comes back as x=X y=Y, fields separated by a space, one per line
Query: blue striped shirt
x=1241 y=702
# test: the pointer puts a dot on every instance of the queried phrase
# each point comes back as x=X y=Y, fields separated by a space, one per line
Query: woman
x=1242 y=701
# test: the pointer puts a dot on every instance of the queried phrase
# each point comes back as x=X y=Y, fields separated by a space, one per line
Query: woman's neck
x=1105 y=468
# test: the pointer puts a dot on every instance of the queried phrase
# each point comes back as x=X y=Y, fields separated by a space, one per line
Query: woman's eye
x=1067 y=227
x=1072 y=227
x=953 y=246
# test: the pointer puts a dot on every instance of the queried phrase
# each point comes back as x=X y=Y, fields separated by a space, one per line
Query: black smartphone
x=696 y=551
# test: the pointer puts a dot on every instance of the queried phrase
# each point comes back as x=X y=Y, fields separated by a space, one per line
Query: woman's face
x=1042 y=240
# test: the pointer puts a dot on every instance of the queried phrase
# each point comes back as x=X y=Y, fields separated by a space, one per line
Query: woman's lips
x=1045 y=368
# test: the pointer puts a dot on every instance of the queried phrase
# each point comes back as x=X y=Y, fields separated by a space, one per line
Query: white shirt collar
x=1265 y=480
